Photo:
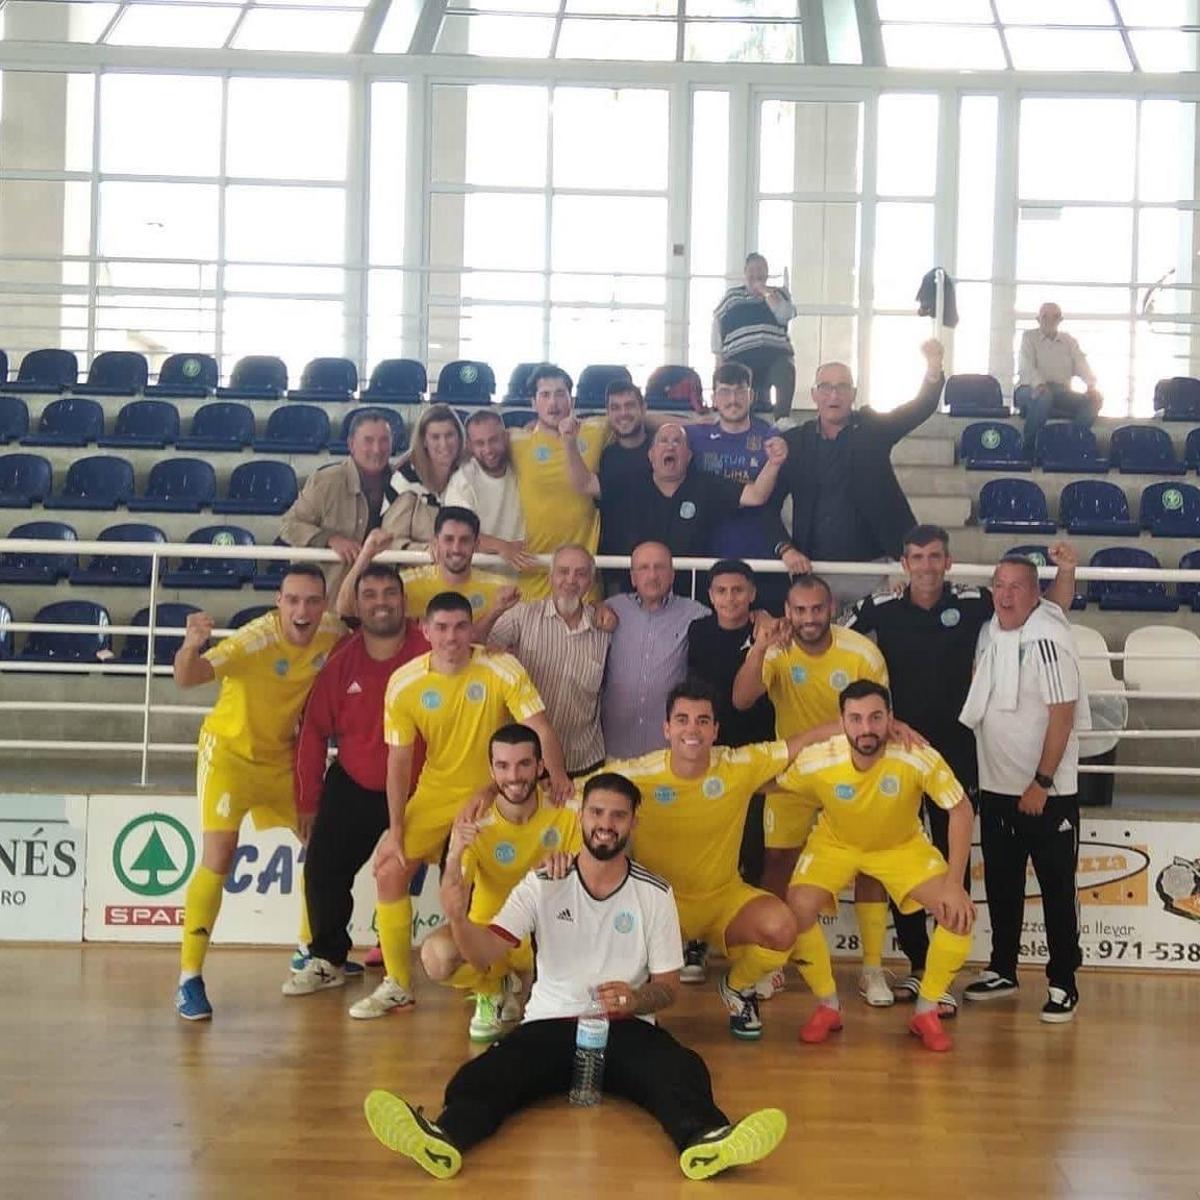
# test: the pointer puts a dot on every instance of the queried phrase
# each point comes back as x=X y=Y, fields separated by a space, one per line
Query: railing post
x=151 y=624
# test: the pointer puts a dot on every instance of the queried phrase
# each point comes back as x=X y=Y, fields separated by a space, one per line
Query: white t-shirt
x=496 y=502
x=583 y=942
x=1009 y=743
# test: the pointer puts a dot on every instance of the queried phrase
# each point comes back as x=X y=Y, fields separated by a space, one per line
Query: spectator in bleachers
x=847 y=504
x=438 y=450
x=487 y=484
x=750 y=327
x=647 y=656
x=628 y=454
x=1048 y=361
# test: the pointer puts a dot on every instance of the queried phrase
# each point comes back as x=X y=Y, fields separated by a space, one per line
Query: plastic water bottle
x=591 y=1037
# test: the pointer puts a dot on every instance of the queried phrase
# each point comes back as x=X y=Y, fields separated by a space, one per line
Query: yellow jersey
x=804 y=688
x=689 y=831
x=456 y=715
x=503 y=853
x=265 y=681
x=555 y=513
x=876 y=809
x=421 y=584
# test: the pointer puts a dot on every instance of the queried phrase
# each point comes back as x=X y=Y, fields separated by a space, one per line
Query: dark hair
x=922 y=535
x=691 y=689
x=365 y=416
x=731 y=566
x=730 y=374
x=619 y=387
x=480 y=415
x=378 y=570
x=311 y=569
x=610 y=781
x=754 y=256
x=516 y=734
x=448 y=602
x=860 y=689
x=811 y=581
x=549 y=371
x=455 y=512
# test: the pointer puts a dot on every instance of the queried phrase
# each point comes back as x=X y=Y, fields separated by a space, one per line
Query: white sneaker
x=510 y=1009
x=694 y=956
x=486 y=1025
x=874 y=988
x=388 y=997
x=771 y=985
x=316 y=975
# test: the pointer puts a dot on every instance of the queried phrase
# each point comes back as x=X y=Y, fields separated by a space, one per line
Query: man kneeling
x=870 y=790
x=607 y=925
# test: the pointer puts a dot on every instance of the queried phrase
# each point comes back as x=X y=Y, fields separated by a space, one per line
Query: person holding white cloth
x=1026 y=705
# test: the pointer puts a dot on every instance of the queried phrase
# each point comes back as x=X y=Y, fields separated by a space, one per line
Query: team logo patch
x=839 y=680
x=476 y=692
x=687 y=510
x=550 y=839
x=281 y=666
x=476 y=600
x=713 y=787
x=623 y=921
x=468 y=373
x=799 y=674
x=664 y=795
x=844 y=791
x=990 y=439
x=505 y=853
x=951 y=617
x=889 y=785
x=192 y=368
x=1037 y=558
x=224 y=538
x=431 y=699
x=541 y=453
x=1172 y=499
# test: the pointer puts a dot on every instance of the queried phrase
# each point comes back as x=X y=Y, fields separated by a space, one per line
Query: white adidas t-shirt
x=583 y=942
x=496 y=502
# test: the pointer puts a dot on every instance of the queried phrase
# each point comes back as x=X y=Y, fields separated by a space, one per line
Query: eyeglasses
x=829 y=389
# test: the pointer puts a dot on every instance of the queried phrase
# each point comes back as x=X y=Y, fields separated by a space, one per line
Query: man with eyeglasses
x=847 y=504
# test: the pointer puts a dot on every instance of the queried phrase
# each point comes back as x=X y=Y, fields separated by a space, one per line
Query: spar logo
x=153 y=854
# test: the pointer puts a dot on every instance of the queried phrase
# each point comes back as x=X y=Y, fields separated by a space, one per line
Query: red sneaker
x=821 y=1024
x=373 y=957
x=928 y=1027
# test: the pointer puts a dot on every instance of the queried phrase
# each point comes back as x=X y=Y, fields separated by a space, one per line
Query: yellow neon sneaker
x=404 y=1129
x=751 y=1139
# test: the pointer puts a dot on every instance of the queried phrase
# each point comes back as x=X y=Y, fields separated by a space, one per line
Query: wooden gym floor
x=104 y=1092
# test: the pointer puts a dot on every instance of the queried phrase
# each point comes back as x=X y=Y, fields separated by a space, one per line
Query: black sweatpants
x=349 y=823
x=1051 y=839
x=642 y=1063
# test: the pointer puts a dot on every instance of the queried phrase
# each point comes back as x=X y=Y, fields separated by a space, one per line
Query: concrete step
x=175 y=526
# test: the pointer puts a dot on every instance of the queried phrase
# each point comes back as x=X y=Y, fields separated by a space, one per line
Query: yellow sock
x=872 y=926
x=305 y=927
x=200 y=907
x=394 y=918
x=472 y=979
x=749 y=963
x=811 y=954
x=947 y=953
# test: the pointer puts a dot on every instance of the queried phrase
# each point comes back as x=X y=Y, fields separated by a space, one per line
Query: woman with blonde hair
x=438 y=449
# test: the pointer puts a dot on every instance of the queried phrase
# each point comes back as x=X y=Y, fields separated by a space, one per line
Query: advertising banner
x=42 y=840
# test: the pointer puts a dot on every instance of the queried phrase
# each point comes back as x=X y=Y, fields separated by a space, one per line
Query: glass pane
x=965 y=11
x=948 y=47
x=49 y=21
x=1055 y=12
x=397 y=30
x=508 y=6
x=704 y=294
x=287 y=128
x=972 y=338
x=191 y=277
x=502 y=335
x=777 y=146
x=817 y=340
x=976 y=184
x=1168 y=149
x=389 y=139
x=499 y=285
x=496 y=36
x=385 y=315
x=174 y=25
x=608 y=289
x=609 y=233
x=485 y=230
x=1059 y=159
x=158 y=220
x=635 y=337
x=605 y=138
x=1163 y=302
x=146 y=317
x=639 y=41
x=43 y=218
x=1166 y=241
x=896 y=364
x=296 y=330
x=622 y=8
x=490 y=135
x=310 y=280
x=710 y=183
x=1101 y=300
x=775 y=229
x=1161 y=349
x=903 y=252
x=740 y=41
x=810 y=147
x=908 y=132
x=31 y=133
x=160 y=124
x=1074 y=245
x=824 y=269
x=277 y=29
x=1159 y=12
x=1067 y=49
x=743 y=10
x=285 y=224
x=1166 y=51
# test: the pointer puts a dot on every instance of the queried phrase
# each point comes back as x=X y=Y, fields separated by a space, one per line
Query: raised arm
x=561 y=787
x=748 y=683
x=1062 y=590
x=377 y=542
x=191 y=668
x=760 y=491
x=583 y=479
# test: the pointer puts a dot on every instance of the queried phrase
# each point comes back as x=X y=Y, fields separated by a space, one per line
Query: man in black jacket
x=847 y=505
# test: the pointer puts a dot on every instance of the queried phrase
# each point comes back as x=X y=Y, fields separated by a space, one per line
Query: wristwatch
x=1043 y=781
x=781 y=547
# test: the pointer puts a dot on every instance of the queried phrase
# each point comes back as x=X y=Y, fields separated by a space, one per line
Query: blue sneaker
x=301 y=959
x=191 y=1000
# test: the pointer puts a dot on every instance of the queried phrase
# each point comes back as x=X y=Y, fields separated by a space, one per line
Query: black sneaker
x=990 y=986
x=694 y=954
x=744 y=1021
x=1060 y=1006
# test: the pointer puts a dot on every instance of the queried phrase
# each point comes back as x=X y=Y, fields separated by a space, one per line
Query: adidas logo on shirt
x=355 y=689
x=564 y=915
x=1065 y=827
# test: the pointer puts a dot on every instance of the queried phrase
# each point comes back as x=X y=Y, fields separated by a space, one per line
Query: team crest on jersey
x=664 y=795
x=550 y=839
x=431 y=699
x=318 y=662
x=753 y=443
x=844 y=791
x=582 y=443
x=623 y=921
x=951 y=617
x=713 y=787
x=476 y=692
x=799 y=674
x=541 y=453
x=281 y=667
x=476 y=600
x=839 y=680
x=889 y=785
x=505 y=853
x=687 y=510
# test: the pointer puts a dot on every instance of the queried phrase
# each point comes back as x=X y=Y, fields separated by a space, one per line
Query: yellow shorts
x=427 y=824
x=705 y=918
x=787 y=820
x=229 y=787
x=830 y=865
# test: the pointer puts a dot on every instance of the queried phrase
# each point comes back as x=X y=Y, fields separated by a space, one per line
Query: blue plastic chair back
x=1093 y=506
x=26 y=566
x=990 y=445
x=397 y=380
x=69 y=647
x=57 y=368
x=24 y=479
x=466 y=381
x=1131 y=595
x=14 y=418
x=1143 y=449
x=100 y=481
x=1170 y=509
x=166 y=645
x=1012 y=501
x=223 y=421
x=120 y=570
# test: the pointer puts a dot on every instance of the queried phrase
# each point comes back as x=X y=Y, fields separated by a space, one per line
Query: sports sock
x=394 y=918
x=201 y=904
x=811 y=954
x=872 y=926
x=472 y=979
x=947 y=953
x=749 y=963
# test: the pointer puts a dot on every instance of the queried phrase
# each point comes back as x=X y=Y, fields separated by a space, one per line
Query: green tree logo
x=151 y=867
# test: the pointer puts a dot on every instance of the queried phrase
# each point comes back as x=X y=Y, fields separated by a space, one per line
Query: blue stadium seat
x=186 y=377
x=1127 y=595
x=325 y=379
x=6 y=638
x=25 y=480
x=19 y=566
x=14 y=419
x=245 y=615
x=256 y=377
x=1013 y=506
x=518 y=418
x=177 y=485
x=68 y=422
x=98 y=483
x=1189 y=593
x=166 y=616
x=975 y=396
x=3 y=368
x=1094 y=507
x=594 y=382
x=259 y=487
x=295 y=429
x=1039 y=555
x=990 y=446
x=520 y=385
x=1177 y=399
x=69 y=647
x=396 y=381
x=45 y=373
x=149 y=424
x=1143 y=450
x=115 y=373
x=394 y=419
x=213 y=572
x=222 y=425
x=273 y=570
x=466 y=382
x=1064 y=447
x=1170 y=509
x=674 y=388
x=119 y=570
x=1191 y=449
